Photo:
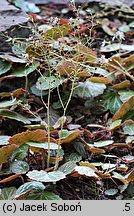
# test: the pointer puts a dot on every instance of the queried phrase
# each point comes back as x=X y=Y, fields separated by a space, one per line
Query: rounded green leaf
x=4 y=67
x=43 y=176
x=129 y=139
x=24 y=71
x=80 y=148
x=68 y=167
x=26 y=6
x=13 y=58
x=131 y=24
x=125 y=95
x=122 y=188
x=46 y=83
x=7 y=193
x=87 y=171
x=36 y=126
x=28 y=186
x=19 y=49
x=45 y=195
x=124 y=28
x=116 y=46
x=111 y=192
x=14 y=115
x=115 y=124
x=89 y=89
x=44 y=145
x=7 y=104
x=129 y=129
x=20 y=153
x=19 y=167
x=112 y=102
x=73 y=157
x=100 y=71
x=64 y=133
x=38 y=92
x=103 y=143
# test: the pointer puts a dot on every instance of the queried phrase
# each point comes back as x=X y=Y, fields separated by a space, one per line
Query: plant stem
x=62 y=124
x=43 y=160
x=48 y=124
x=26 y=82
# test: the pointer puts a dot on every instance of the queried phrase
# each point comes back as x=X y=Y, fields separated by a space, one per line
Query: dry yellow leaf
x=6 y=152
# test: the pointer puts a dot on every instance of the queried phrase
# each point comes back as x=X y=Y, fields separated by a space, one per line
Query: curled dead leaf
x=72 y=136
x=10 y=178
x=21 y=138
x=122 y=85
x=6 y=152
x=103 y=80
x=85 y=54
x=124 y=109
